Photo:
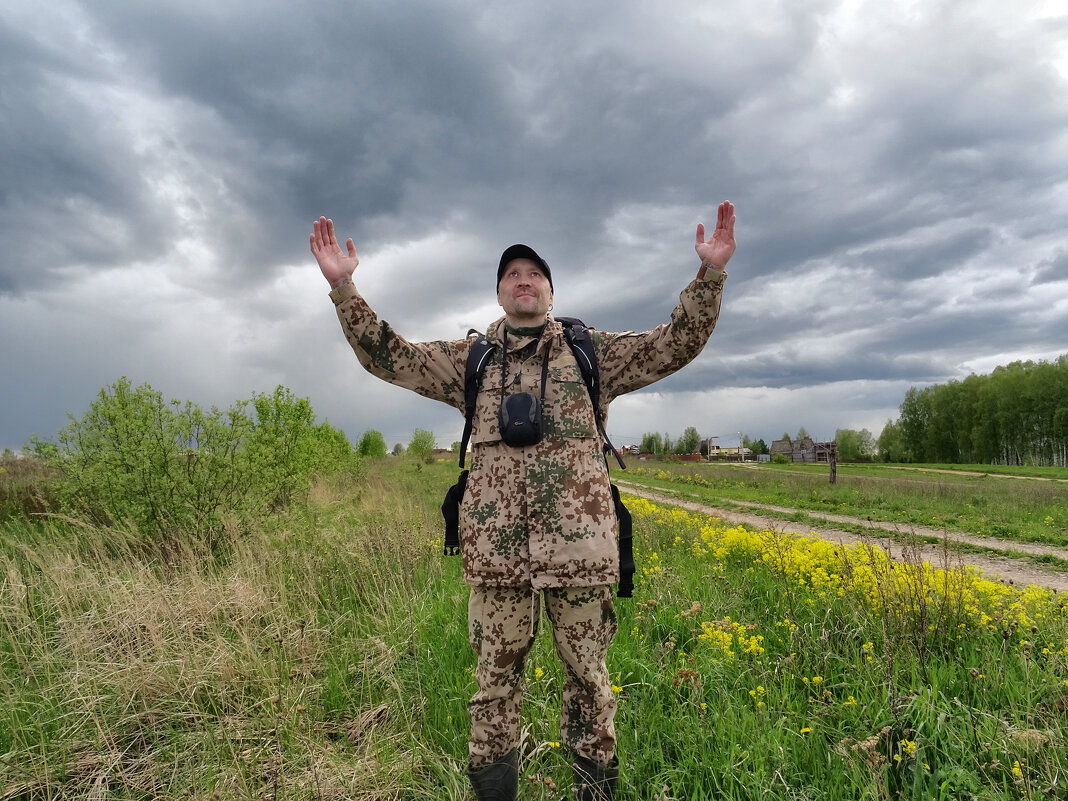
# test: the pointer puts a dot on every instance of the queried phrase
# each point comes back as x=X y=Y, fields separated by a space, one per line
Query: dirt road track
x=971 y=473
x=1017 y=572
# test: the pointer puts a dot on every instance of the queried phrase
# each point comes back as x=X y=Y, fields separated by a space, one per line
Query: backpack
x=578 y=339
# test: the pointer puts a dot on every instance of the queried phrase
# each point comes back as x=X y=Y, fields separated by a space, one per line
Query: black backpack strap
x=626 y=550
x=477 y=358
x=581 y=343
x=450 y=510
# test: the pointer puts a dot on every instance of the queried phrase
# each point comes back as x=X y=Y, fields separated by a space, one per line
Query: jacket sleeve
x=632 y=360
x=433 y=369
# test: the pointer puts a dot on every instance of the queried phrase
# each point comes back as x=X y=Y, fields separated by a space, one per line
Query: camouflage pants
x=502 y=625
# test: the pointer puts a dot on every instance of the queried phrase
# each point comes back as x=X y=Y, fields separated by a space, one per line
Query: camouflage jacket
x=541 y=515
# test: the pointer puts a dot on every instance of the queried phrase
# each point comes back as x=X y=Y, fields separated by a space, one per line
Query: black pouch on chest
x=520 y=415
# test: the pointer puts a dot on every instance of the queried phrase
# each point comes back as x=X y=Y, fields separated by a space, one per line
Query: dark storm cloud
x=343 y=111
x=68 y=194
x=1052 y=269
x=898 y=174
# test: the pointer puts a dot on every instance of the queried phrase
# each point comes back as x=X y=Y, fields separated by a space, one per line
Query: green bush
x=780 y=458
x=372 y=444
x=422 y=445
x=180 y=475
x=287 y=447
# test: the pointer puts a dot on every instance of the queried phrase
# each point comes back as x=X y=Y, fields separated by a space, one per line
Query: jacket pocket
x=569 y=410
x=484 y=427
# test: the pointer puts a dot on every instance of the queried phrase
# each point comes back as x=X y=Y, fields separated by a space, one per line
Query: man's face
x=524 y=292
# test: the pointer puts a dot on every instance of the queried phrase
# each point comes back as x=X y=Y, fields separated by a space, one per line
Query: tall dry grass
x=125 y=677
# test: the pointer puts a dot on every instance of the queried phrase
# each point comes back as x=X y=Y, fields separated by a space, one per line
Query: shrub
x=372 y=444
x=422 y=445
x=177 y=473
x=287 y=447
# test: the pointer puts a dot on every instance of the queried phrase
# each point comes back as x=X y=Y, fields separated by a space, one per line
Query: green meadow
x=323 y=654
x=1029 y=506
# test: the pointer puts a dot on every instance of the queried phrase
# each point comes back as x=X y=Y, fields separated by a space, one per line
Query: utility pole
x=832 y=460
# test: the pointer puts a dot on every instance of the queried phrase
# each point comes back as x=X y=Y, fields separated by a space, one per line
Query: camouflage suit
x=538 y=519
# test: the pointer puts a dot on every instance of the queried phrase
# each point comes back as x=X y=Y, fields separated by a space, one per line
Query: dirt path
x=971 y=473
x=1017 y=572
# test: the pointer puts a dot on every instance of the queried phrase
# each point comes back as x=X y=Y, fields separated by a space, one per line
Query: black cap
x=523 y=252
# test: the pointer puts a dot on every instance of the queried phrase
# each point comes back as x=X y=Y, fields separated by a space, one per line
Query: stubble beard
x=529 y=309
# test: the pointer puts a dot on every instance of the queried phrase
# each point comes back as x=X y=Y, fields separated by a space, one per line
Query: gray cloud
x=898 y=177
x=1052 y=269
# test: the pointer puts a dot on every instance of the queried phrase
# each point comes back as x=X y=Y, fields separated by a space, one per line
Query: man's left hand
x=717 y=251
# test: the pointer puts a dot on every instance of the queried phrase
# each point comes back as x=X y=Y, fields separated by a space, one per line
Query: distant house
x=803 y=450
x=730 y=454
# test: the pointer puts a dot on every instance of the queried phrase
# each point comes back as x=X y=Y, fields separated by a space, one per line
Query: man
x=537 y=522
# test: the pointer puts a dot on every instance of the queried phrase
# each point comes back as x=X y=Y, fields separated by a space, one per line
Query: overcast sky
x=899 y=169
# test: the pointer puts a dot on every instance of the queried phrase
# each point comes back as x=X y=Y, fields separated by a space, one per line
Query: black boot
x=595 y=782
x=497 y=781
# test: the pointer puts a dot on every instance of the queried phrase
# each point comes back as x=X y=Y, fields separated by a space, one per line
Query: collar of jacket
x=552 y=330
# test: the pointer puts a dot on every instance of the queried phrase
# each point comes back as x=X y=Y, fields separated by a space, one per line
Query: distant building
x=803 y=450
x=730 y=454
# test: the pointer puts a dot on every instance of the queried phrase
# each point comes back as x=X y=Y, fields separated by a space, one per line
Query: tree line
x=852 y=445
x=656 y=443
x=1016 y=415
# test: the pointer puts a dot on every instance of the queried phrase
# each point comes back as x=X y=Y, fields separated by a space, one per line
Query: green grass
x=327 y=657
x=894 y=470
x=1020 y=510
x=896 y=534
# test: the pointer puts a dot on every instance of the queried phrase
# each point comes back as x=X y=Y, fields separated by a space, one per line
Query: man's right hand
x=336 y=266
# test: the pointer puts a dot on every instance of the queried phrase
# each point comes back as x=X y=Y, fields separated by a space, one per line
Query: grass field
x=326 y=657
x=1013 y=509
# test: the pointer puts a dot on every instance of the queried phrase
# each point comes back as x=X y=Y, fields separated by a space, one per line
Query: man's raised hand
x=717 y=251
x=336 y=266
